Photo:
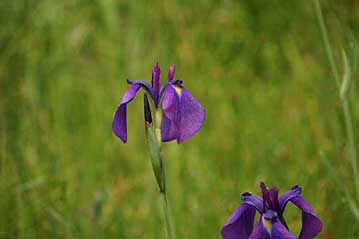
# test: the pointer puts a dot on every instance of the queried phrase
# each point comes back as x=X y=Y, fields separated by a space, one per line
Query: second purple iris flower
x=271 y=223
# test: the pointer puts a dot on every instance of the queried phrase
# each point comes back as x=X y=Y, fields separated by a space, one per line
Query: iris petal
x=260 y=231
x=192 y=116
x=279 y=231
x=171 y=114
x=119 y=120
x=253 y=200
x=273 y=195
x=293 y=192
x=265 y=195
x=183 y=114
x=311 y=224
x=171 y=72
x=240 y=223
x=144 y=84
x=156 y=82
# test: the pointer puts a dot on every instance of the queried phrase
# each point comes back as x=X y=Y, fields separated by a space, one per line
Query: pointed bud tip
x=262 y=185
x=156 y=68
x=171 y=72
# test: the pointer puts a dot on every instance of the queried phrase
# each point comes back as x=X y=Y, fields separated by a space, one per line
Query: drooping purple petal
x=119 y=120
x=278 y=231
x=144 y=84
x=171 y=114
x=260 y=231
x=311 y=224
x=293 y=192
x=192 y=116
x=183 y=114
x=253 y=200
x=240 y=223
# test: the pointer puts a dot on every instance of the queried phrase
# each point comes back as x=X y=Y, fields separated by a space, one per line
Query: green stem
x=167 y=215
x=153 y=132
x=163 y=191
x=327 y=46
x=343 y=95
x=354 y=159
x=352 y=205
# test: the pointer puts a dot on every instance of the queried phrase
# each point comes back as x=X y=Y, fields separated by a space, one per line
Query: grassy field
x=258 y=67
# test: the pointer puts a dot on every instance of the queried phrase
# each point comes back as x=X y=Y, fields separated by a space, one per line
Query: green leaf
x=155 y=155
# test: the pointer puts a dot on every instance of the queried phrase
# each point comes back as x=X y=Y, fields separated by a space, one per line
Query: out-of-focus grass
x=259 y=68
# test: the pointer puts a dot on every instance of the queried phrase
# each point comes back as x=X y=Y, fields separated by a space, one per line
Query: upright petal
x=260 y=231
x=278 y=231
x=171 y=72
x=273 y=195
x=265 y=195
x=171 y=114
x=156 y=82
x=311 y=224
x=119 y=121
x=240 y=223
x=192 y=116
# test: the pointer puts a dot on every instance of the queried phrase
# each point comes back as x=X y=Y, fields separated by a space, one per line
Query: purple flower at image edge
x=182 y=115
x=271 y=223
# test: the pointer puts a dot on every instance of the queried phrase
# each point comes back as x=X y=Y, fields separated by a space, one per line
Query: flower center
x=267 y=224
x=268 y=218
x=177 y=88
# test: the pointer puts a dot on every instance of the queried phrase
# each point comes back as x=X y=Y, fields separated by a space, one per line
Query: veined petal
x=173 y=82
x=119 y=120
x=171 y=114
x=278 y=231
x=261 y=230
x=191 y=117
x=183 y=114
x=240 y=223
x=311 y=224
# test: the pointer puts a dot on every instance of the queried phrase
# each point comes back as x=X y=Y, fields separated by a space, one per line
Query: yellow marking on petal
x=267 y=224
x=177 y=88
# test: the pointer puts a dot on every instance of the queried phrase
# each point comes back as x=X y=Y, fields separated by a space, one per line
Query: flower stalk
x=343 y=88
x=153 y=132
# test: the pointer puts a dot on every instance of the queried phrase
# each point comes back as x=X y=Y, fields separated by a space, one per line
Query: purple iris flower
x=181 y=115
x=271 y=223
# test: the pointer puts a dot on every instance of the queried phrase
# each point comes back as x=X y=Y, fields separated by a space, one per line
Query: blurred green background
x=258 y=67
